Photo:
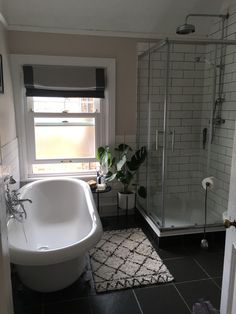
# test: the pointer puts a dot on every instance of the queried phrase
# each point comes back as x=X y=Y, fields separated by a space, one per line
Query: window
x=58 y=134
x=63 y=134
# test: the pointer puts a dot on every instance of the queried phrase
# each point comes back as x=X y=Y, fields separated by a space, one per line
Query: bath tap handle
x=22 y=214
x=21 y=201
x=24 y=200
x=9 y=180
x=15 y=204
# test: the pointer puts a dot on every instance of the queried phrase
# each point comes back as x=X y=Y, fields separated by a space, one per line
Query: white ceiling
x=157 y=17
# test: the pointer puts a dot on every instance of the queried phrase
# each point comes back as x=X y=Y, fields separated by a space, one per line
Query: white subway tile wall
x=10 y=161
x=190 y=101
x=222 y=143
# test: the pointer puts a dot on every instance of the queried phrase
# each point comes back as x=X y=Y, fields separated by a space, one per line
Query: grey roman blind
x=64 y=81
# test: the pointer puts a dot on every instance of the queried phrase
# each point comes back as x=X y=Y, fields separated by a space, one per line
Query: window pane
x=65 y=167
x=57 y=138
x=60 y=104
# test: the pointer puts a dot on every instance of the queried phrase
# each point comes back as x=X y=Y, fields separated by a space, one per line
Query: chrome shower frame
x=159 y=226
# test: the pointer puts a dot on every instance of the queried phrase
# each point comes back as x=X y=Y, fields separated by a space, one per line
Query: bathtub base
x=51 y=278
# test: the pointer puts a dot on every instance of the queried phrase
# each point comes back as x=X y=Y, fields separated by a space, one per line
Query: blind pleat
x=64 y=81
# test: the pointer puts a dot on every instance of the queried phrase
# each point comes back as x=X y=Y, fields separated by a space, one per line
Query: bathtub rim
x=65 y=253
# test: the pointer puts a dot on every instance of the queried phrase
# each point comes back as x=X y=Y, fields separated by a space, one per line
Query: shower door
x=181 y=85
x=156 y=134
x=188 y=141
x=187 y=128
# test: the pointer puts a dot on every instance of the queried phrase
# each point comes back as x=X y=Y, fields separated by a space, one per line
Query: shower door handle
x=157 y=140
x=172 y=140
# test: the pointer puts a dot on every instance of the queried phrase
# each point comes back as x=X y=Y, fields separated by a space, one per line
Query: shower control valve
x=228 y=223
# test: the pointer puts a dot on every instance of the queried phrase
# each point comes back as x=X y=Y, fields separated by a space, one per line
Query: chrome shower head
x=185 y=29
x=190 y=28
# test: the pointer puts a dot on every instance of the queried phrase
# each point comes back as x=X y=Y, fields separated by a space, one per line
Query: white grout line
x=141 y=311
x=201 y=267
x=191 y=281
x=182 y=298
x=174 y=258
x=218 y=286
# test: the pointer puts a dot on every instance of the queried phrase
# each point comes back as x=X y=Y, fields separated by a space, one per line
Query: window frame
x=31 y=134
x=106 y=122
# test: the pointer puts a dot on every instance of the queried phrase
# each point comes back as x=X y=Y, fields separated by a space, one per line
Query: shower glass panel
x=143 y=119
x=184 y=122
x=186 y=136
x=156 y=136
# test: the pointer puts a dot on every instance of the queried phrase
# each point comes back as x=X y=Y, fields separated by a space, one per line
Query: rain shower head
x=185 y=29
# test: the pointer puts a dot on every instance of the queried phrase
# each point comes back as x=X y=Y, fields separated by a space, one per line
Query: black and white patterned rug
x=125 y=259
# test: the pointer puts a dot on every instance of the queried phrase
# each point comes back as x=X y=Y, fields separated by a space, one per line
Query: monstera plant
x=128 y=165
x=123 y=168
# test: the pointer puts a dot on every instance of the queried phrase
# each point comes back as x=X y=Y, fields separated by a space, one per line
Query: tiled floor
x=197 y=275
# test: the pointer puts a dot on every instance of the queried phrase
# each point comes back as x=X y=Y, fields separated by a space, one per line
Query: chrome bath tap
x=14 y=204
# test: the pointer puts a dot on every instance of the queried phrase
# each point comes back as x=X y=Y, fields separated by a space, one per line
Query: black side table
x=98 y=192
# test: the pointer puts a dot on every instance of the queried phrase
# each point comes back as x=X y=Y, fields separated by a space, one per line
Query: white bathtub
x=62 y=224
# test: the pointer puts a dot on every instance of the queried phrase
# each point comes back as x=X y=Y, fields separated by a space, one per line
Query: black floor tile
x=202 y=289
x=122 y=302
x=23 y=297
x=184 y=259
x=218 y=281
x=191 y=243
x=83 y=287
x=29 y=310
x=173 y=251
x=185 y=269
x=212 y=262
x=161 y=300
x=69 y=307
x=121 y=222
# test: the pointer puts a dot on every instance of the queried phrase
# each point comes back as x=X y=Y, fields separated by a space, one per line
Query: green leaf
x=100 y=153
x=110 y=176
x=124 y=178
x=132 y=165
x=124 y=148
x=113 y=161
x=121 y=163
x=142 y=192
x=104 y=157
x=137 y=159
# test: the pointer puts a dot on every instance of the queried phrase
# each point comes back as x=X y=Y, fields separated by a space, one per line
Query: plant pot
x=126 y=201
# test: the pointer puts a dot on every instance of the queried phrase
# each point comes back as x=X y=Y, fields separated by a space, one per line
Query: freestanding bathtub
x=48 y=248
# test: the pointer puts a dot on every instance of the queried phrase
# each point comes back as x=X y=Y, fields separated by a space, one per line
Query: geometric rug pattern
x=125 y=259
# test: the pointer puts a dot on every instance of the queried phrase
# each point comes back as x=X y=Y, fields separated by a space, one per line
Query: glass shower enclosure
x=182 y=122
